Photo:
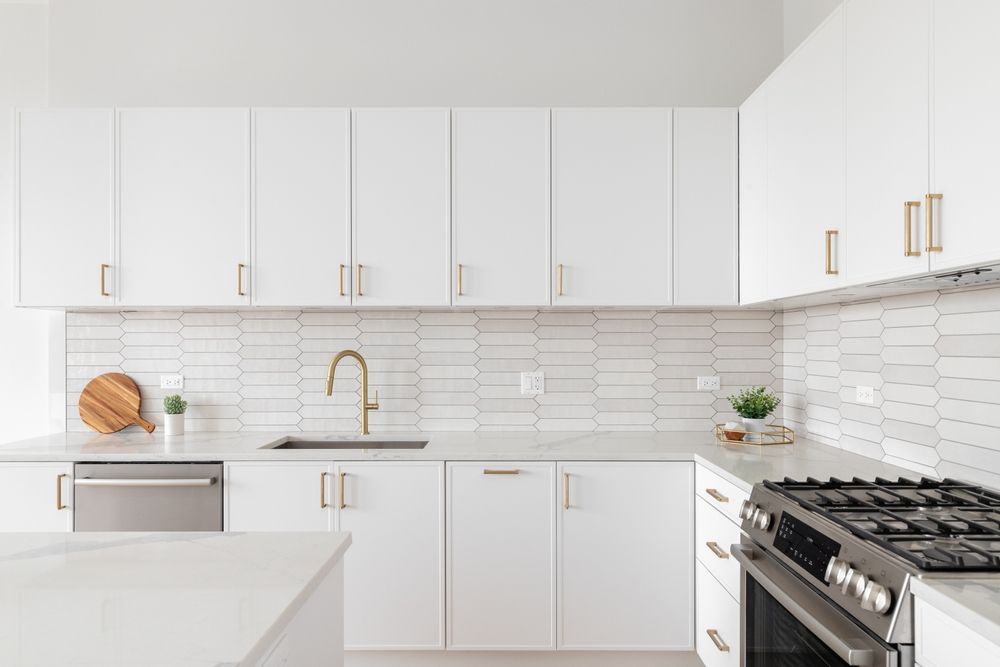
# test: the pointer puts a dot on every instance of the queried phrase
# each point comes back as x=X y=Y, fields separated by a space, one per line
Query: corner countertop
x=975 y=603
x=743 y=465
x=184 y=599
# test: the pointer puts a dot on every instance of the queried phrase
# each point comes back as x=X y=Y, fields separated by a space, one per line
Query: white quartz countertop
x=975 y=603
x=154 y=599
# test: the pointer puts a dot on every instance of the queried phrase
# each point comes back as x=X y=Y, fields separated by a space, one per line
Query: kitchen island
x=171 y=599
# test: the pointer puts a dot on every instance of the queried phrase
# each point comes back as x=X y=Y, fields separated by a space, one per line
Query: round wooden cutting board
x=110 y=402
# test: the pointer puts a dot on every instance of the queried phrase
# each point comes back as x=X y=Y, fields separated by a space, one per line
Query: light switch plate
x=532 y=383
x=865 y=395
x=171 y=382
x=709 y=383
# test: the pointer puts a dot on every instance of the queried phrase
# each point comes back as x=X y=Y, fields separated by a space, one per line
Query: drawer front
x=716 y=615
x=714 y=534
x=719 y=492
x=941 y=641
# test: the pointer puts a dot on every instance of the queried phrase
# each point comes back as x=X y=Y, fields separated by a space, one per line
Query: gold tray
x=774 y=435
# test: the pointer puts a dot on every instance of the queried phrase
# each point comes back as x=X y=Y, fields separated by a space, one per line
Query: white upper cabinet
x=65 y=207
x=611 y=227
x=705 y=252
x=500 y=207
x=805 y=166
x=302 y=207
x=401 y=207
x=753 y=198
x=887 y=133
x=184 y=192
x=965 y=132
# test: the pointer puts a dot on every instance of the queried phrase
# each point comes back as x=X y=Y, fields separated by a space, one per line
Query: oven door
x=786 y=623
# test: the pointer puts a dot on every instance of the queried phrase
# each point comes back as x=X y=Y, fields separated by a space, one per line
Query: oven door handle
x=832 y=629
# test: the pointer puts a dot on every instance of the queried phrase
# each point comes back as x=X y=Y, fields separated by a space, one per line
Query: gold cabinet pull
x=239 y=279
x=713 y=634
x=718 y=496
x=715 y=549
x=929 y=216
x=830 y=271
x=104 y=282
x=560 y=291
x=59 y=485
x=501 y=471
x=341 y=503
x=322 y=491
x=360 y=267
x=908 y=250
x=461 y=292
x=565 y=490
x=342 y=293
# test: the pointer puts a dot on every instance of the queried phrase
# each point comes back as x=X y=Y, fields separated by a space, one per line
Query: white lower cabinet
x=279 y=496
x=42 y=494
x=714 y=534
x=941 y=640
x=717 y=622
x=624 y=555
x=501 y=555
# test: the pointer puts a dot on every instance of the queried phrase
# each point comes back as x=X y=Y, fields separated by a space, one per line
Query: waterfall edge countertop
x=164 y=599
x=743 y=465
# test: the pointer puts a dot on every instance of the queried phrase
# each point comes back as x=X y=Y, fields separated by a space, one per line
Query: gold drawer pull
x=322 y=491
x=342 y=267
x=713 y=634
x=104 y=280
x=718 y=496
x=830 y=271
x=908 y=250
x=239 y=280
x=930 y=223
x=360 y=267
x=495 y=471
x=461 y=292
x=59 y=498
x=560 y=291
x=565 y=490
x=715 y=549
x=341 y=503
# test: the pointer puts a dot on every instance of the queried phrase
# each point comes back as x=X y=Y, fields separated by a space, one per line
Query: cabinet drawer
x=942 y=641
x=714 y=534
x=715 y=611
x=719 y=492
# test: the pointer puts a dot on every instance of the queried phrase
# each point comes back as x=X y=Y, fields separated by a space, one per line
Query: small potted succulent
x=754 y=405
x=174 y=407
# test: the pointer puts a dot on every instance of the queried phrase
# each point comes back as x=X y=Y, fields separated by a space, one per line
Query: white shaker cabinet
x=36 y=497
x=717 y=622
x=401 y=177
x=705 y=244
x=280 y=496
x=887 y=97
x=501 y=555
x=301 y=207
x=805 y=166
x=184 y=197
x=64 y=206
x=753 y=198
x=611 y=207
x=394 y=588
x=625 y=556
x=500 y=207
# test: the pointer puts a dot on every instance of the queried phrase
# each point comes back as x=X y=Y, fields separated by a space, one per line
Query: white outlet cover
x=533 y=383
x=865 y=395
x=171 y=382
x=709 y=383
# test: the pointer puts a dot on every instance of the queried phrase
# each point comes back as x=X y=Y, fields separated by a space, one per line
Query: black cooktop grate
x=934 y=524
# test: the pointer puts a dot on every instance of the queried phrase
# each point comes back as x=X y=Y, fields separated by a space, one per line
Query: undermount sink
x=352 y=444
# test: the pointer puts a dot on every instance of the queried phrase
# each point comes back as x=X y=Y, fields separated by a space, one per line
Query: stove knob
x=747 y=509
x=836 y=571
x=854 y=583
x=876 y=598
x=761 y=520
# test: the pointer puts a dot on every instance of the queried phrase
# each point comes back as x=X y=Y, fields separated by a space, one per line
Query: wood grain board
x=110 y=402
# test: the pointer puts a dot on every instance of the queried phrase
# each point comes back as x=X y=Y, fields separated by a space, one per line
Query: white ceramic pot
x=173 y=424
x=754 y=426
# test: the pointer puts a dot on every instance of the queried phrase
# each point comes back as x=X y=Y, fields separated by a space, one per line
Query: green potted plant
x=174 y=408
x=754 y=405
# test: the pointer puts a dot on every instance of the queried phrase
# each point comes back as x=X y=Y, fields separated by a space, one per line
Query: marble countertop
x=743 y=465
x=975 y=603
x=163 y=599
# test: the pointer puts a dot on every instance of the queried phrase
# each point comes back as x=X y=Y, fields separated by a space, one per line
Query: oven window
x=774 y=638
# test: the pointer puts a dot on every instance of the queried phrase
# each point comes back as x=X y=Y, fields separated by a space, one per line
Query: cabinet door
x=717 y=622
x=184 y=223
x=965 y=132
x=753 y=198
x=887 y=135
x=500 y=207
x=705 y=211
x=611 y=207
x=36 y=497
x=64 y=207
x=401 y=201
x=279 y=496
x=805 y=164
x=501 y=555
x=301 y=207
x=625 y=556
x=394 y=590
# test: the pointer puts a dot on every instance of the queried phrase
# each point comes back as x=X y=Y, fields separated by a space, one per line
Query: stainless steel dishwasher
x=147 y=496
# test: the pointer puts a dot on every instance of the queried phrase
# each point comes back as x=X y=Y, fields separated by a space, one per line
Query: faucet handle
x=374 y=404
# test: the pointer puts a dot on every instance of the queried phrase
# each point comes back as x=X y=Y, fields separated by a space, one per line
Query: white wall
x=801 y=17
x=411 y=52
x=32 y=343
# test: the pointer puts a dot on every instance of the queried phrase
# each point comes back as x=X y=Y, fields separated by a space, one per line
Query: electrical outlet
x=171 y=382
x=865 y=395
x=709 y=383
x=532 y=383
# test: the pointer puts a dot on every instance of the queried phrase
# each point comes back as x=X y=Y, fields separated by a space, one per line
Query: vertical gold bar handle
x=560 y=291
x=104 y=283
x=461 y=292
x=713 y=634
x=565 y=490
x=322 y=491
x=341 y=503
x=239 y=280
x=59 y=485
x=908 y=250
x=360 y=267
x=929 y=216
x=830 y=271
x=342 y=293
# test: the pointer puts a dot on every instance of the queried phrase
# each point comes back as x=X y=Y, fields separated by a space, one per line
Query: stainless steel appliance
x=148 y=496
x=827 y=565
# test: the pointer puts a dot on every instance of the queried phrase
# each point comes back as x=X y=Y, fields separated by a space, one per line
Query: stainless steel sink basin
x=352 y=444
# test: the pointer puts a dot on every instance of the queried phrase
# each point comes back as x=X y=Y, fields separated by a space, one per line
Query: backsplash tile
x=434 y=371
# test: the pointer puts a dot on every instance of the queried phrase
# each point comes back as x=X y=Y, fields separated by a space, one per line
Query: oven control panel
x=807 y=547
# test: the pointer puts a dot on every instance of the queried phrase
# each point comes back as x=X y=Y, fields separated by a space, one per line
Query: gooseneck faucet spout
x=365 y=405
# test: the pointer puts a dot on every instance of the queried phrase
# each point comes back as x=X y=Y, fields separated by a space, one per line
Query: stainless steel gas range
x=826 y=568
